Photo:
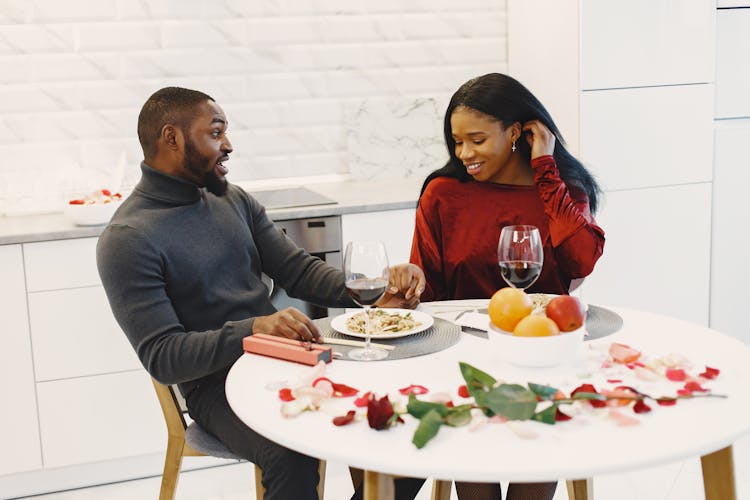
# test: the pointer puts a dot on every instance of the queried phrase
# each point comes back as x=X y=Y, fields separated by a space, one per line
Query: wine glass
x=366 y=275
x=520 y=255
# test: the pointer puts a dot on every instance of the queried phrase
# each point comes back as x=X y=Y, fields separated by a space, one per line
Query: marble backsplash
x=396 y=137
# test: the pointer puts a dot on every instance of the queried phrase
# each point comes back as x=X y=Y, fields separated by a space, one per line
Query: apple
x=567 y=312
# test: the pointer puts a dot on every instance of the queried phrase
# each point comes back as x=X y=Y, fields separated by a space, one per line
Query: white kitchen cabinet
x=52 y=265
x=636 y=43
x=394 y=227
x=105 y=417
x=19 y=431
x=74 y=334
x=730 y=239
x=657 y=252
x=644 y=137
x=732 y=63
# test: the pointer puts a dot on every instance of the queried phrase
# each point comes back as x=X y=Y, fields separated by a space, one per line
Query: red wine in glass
x=519 y=273
x=366 y=291
x=366 y=274
x=520 y=255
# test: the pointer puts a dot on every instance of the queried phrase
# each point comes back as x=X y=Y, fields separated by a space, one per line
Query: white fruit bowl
x=93 y=214
x=536 y=351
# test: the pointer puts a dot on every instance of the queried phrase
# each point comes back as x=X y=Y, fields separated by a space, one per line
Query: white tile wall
x=74 y=74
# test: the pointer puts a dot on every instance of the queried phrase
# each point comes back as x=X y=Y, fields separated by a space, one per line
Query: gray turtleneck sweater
x=181 y=268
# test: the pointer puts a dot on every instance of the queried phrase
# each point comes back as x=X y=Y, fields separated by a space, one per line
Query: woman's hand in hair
x=540 y=138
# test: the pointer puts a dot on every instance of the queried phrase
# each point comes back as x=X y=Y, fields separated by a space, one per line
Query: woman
x=508 y=165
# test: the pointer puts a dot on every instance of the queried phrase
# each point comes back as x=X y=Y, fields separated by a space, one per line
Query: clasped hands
x=405 y=284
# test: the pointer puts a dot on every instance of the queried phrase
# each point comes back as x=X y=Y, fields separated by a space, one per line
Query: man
x=181 y=263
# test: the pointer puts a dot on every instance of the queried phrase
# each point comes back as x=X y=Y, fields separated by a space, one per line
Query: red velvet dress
x=458 y=226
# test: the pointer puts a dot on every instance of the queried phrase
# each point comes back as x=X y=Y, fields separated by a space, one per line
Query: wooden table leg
x=441 y=490
x=580 y=489
x=378 y=486
x=718 y=475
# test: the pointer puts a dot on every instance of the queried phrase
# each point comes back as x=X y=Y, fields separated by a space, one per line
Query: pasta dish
x=382 y=322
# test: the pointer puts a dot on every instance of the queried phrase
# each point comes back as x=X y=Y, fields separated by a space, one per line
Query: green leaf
x=589 y=395
x=543 y=391
x=546 y=416
x=427 y=429
x=512 y=401
x=474 y=377
x=419 y=409
x=458 y=416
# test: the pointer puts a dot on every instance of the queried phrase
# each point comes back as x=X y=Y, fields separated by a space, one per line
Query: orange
x=536 y=326
x=508 y=306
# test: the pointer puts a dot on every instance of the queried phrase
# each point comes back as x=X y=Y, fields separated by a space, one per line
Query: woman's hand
x=290 y=323
x=540 y=138
x=405 y=285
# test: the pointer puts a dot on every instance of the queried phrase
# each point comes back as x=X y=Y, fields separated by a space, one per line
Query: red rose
x=380 y=413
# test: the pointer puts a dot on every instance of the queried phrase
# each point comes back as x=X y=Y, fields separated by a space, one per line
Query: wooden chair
x=192 y=441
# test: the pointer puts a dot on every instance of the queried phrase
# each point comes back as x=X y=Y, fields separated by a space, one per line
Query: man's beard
x=196 y=163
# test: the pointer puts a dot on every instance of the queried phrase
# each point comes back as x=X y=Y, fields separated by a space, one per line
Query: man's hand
x=405 y=285
x=290 y=323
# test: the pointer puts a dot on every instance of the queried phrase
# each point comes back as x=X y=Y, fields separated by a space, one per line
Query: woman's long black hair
x=508 y=101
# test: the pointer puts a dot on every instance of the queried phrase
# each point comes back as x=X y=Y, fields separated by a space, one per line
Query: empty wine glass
x=366 y=275
x=520 y=255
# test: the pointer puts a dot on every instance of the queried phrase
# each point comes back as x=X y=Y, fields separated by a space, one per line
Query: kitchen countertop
x=350 y=196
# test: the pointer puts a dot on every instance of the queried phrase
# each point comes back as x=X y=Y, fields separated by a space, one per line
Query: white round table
x=587 y=445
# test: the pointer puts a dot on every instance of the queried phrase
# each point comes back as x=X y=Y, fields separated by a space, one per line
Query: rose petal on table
x=522 y=429
x=675 y=374
x=710 y=373
x=440 y=397
x=621 y=419
x=285 y=394
x=344 y=419
x=294 y=408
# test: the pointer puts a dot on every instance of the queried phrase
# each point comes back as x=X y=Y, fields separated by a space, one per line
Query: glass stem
x=367 y=328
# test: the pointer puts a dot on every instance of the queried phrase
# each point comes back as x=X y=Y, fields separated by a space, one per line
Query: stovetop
x=290 y=197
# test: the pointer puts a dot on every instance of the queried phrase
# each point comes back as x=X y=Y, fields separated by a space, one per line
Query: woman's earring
x=513 y=147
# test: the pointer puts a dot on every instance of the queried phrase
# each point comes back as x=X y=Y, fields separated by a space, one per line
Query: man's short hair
x=173 y=105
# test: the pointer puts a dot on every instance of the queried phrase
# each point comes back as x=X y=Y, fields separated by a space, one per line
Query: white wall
x=74 y=74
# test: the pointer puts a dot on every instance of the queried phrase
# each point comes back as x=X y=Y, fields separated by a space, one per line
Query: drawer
x=732 y=63
x=74 y=334
x=51 y=265
x=658 y=252
x=630 y=139
x=91 y=419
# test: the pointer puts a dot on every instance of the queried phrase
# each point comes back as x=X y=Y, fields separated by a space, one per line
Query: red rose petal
x=344 y=419
x=361 y=401
x=676 y=374
x=339 y=390
x=560 y=416
x=463 y=391
x=415 y=389
x=684 y=392
x=614 y=380
x=285 y=394
x=710 y=373
x=694 y=387
x=666 y=401
x=641 y=407
x=589 y=388
x=450 y=404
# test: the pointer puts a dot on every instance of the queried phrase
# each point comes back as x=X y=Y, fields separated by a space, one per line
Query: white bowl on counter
x=536 y=351
x=92 y=214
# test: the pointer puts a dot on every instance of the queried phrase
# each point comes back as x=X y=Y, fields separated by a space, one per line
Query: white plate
x=339 y=324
